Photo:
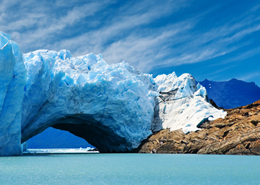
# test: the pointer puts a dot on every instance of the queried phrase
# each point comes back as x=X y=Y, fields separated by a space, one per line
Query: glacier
x=12 y=82
x=114 y=107
x=182 y=104
x=105 y=104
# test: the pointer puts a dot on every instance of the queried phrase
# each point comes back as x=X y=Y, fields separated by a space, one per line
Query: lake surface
x=129 y=169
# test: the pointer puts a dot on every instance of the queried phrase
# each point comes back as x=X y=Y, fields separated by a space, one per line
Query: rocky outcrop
x=237 y=133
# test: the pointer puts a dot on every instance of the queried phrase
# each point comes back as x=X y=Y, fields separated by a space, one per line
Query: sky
x=214 y=40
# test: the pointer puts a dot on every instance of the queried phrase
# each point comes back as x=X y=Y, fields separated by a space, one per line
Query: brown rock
x=237 y=133
x=254 y=147
x=239 y=150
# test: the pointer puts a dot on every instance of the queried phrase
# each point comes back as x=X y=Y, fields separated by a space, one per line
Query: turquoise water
x=129 y=169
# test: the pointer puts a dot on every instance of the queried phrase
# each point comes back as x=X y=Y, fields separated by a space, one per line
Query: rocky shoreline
x=238 y=134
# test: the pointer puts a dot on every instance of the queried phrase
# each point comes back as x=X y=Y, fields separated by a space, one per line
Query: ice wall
x=12 y=81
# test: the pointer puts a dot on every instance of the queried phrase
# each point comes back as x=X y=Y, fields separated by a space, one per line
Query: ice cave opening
x=52 y=138
x=82 y=126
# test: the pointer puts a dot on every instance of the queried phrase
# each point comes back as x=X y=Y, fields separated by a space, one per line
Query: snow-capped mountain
x=232 y=93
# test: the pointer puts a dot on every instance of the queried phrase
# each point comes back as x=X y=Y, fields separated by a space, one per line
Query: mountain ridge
x=232 y=93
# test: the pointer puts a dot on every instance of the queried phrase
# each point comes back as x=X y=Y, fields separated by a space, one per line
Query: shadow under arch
x=86 y=127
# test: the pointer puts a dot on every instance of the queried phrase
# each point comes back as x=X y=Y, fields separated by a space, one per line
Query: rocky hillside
x=237 y=133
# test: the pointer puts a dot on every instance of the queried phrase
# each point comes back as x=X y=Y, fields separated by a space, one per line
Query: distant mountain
x=54 y=138
x=232 y=93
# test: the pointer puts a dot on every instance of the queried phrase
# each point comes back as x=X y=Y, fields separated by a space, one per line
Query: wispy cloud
x=38 y=29
x=147 y=34
x=242 y=56
x=123 y=39
x=213 y=43
x=249 y=77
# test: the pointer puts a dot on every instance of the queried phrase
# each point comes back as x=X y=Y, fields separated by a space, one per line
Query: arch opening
x=86 y=127
x=53 y=138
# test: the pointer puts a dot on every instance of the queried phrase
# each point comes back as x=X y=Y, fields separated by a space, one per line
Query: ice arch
x=111 y=106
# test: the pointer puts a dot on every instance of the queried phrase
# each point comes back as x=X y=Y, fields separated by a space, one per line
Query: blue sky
x=217 y=40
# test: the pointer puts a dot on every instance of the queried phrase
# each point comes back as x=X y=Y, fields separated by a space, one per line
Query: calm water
x=129 y=169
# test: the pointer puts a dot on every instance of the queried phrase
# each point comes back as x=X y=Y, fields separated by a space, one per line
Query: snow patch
x=182 y=104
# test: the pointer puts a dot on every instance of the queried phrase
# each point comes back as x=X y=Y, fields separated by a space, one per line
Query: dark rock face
x=238 y=133
x=232 y=93
x=214 y=104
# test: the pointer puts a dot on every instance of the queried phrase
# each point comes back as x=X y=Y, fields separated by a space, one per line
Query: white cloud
x=96 y=41
x=126 y=33
x=40 y=24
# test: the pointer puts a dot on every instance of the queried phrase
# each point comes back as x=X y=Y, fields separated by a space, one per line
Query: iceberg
x=113 y=107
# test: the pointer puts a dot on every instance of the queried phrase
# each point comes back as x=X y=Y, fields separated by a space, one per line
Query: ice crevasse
x=113 y=107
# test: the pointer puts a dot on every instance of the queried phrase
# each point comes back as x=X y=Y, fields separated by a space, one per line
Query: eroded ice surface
x=182 y=104
x=87 y=91
x=12 y=81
